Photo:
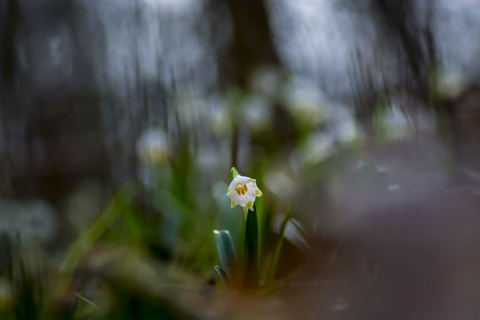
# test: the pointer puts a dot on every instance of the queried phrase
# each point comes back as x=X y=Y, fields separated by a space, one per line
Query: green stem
x=251 y=251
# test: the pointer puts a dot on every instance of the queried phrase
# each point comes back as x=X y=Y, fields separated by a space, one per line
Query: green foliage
x=229 y=270
x=251 y=251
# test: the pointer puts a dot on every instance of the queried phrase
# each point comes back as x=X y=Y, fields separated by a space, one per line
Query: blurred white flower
x=280 y=184
x=84 y=204
x=304 y=102
x=243 y=191
x=219 y=120
x=33 y=220
x=266 y=80
x=343 y=125
x=257 y=112
x=450 y=84
x=317 y=147
x=38 y=221
x=396 y=123
x=153 y=147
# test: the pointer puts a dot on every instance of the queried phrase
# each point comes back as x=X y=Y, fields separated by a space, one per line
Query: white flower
x=242 y=191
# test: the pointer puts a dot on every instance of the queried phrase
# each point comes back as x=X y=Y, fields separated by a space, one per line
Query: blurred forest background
x=120 y=121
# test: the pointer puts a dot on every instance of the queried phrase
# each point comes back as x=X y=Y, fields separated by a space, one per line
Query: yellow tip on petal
x=258 y=192
x=232 y=204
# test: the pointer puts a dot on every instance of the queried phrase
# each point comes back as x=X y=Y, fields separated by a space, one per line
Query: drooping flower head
x=243 y=191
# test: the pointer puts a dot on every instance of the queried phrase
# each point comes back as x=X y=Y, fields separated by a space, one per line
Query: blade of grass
x=278 y=249
x=85 y=241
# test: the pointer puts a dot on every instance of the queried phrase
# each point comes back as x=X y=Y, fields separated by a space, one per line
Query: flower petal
x=243 y=191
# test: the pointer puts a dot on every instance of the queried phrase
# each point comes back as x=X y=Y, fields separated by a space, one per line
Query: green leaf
x=227 y=254
x=251 y=251
x=227 y=283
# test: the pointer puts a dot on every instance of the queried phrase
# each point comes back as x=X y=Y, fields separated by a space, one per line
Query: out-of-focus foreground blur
x=120 y=121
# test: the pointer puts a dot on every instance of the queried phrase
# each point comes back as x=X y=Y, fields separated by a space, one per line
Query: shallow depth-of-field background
x=120 y=121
